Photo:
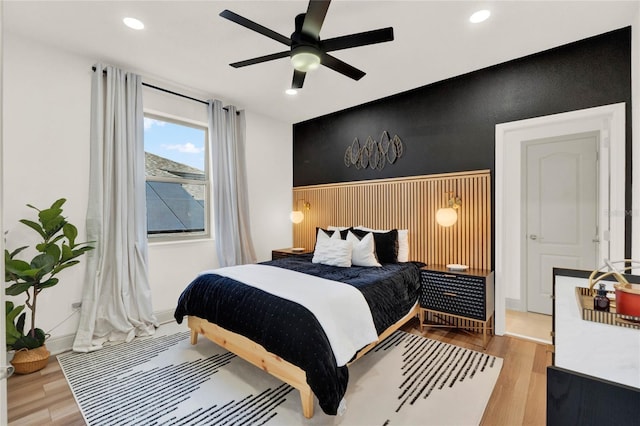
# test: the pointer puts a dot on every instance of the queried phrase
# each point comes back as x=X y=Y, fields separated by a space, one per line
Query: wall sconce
x=297 y=216
x=447 y=216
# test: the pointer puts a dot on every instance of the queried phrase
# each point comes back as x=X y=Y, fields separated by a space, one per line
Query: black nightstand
x=286 y=252
x=457 y=299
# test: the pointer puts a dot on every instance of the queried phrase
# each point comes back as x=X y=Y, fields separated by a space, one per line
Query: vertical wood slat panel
x=407 y=203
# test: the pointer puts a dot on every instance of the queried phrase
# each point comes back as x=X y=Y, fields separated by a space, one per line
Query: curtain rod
x=161 y=89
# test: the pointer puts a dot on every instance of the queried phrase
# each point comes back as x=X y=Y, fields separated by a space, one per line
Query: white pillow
x=403 y=241
x=334 y=252
x=363 y=252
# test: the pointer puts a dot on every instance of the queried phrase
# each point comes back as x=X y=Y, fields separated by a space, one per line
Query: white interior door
x=561 y=212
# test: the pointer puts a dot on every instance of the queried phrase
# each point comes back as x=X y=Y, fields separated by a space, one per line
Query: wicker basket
x=30 y=360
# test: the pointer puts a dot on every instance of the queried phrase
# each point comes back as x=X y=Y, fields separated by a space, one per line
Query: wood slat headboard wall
x=407 y=203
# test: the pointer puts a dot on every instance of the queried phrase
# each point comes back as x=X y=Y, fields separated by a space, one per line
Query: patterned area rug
x=164 y=380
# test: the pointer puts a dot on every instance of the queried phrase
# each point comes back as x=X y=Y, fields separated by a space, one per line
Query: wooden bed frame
x=257 y=355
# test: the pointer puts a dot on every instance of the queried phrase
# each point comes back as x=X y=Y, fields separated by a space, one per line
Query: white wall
x=270 y=173
x=45 y=155
x=46 y=104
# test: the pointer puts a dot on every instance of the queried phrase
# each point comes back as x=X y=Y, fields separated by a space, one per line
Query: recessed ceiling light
x=479 y=16
x=133 y=23
x=291 y=92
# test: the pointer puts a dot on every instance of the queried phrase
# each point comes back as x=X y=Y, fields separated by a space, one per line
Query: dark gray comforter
x=290 y=330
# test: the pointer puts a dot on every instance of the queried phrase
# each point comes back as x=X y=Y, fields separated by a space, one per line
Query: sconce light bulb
x=446 y=216
x=296 y=216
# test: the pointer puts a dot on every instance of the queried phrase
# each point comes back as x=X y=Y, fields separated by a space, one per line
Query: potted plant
x=56 y=251
x=12 y=333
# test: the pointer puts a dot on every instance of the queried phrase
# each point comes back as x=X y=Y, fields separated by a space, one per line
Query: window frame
x=187 y=235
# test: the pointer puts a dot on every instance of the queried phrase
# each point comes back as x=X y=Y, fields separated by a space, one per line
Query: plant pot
x=27 y=361
x=10 y=354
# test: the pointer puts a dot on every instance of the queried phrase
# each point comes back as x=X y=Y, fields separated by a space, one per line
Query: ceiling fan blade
x=240 y=20
x=298 y=79
x=316 y=12
x=340 y=66
x=359 y=39
x=260 y=59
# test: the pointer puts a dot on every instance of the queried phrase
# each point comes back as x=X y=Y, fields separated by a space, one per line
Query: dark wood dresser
x=286 y=252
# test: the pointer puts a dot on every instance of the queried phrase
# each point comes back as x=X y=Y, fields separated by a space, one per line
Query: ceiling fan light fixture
x=305 y=60
x=306 y=50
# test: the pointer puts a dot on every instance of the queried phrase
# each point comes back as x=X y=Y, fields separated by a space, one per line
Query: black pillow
x=386 y=244
x=329 y=233
x=343 y=233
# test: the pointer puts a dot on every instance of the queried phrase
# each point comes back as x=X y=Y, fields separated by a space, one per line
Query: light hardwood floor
x=529 y=325
x=519 y=397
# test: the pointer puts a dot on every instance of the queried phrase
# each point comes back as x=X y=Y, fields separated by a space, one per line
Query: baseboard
x=165 y=316
x=60 y=344
x=530 y=338
x=514 y=305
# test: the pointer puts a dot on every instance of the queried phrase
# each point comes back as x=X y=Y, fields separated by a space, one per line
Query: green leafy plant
x=15 y=337
x=12 y=331
x=57 y=251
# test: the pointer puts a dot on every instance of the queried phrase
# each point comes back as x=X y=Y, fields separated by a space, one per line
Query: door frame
x=609 y=122
x=3 y=353
x=523 y=304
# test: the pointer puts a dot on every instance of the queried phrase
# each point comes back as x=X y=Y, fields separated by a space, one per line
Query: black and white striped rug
x=164 y=380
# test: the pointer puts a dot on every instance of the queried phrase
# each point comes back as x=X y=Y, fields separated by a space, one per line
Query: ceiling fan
x=307 y=50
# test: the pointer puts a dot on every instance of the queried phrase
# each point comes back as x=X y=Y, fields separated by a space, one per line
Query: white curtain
x=230 y=200
x=116 y=300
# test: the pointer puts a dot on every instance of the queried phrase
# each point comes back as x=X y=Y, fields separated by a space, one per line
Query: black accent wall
x=449 y=126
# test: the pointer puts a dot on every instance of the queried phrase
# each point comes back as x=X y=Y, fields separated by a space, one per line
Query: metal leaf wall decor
x=374 y=154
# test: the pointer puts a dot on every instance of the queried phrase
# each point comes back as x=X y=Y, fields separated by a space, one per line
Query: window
x=177 y=180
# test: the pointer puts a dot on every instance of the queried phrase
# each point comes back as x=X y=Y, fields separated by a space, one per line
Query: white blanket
x=341 y=309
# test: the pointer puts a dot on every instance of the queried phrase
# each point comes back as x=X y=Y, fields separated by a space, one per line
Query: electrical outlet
x=76 y=305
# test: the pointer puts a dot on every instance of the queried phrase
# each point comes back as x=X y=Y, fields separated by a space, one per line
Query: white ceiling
x=187 y=45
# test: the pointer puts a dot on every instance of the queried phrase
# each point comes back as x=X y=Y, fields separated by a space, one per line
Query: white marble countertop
x=600 y=350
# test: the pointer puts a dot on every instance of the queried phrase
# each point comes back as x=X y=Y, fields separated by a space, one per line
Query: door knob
x=533 y=237
x=6 y=372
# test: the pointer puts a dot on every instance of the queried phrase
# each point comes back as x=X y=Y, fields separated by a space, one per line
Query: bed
x=294 y=347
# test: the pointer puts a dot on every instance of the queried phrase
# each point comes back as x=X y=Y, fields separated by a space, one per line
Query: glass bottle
x=601 y=301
